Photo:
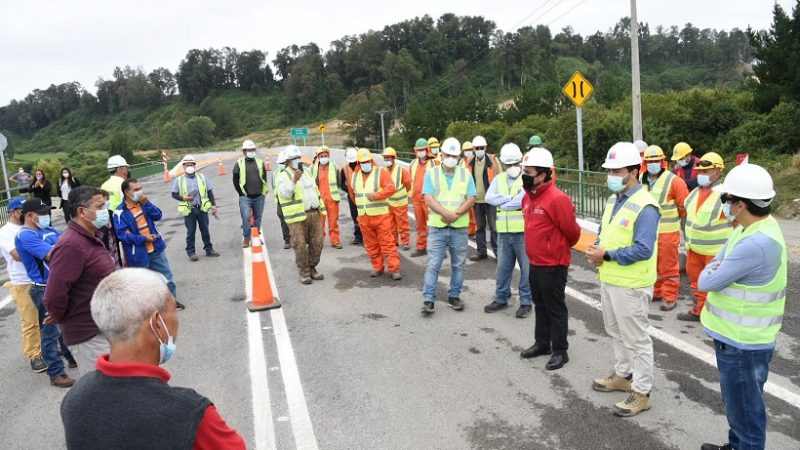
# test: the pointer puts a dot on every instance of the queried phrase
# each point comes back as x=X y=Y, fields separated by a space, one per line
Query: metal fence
x=146 y=169
x=588 y=191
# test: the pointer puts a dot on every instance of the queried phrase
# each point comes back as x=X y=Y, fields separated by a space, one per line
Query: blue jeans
x=246 y=204
x=511 y=250
x=160 y=264
x=439 y=240
x=742 y=374
x=50 y=336
x=194 y=220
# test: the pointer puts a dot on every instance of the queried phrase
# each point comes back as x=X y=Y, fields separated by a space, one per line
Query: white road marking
x=793 y=398
x=4 y=302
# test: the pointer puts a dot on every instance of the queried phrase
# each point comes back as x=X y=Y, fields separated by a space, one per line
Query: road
x=350 y=363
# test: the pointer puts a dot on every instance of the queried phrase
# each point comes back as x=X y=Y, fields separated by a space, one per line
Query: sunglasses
x=705 y=164
x=727 y=198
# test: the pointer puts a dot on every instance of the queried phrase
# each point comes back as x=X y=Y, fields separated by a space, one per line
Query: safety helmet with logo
x=421 y=144
x=115 y=162
x=248 y=145
x=281 y=157
x=188 y=159
x=510 y=154
x=292 y=152
x=622 y=154
x=389 y=151
x=748 y=181
x=534 y=141
x=710 y=160
x=640 y=145
x=351 y=155
x=364 y=155
x=467 y=146
x=451 y=147
x=479 y=141
x=323 y=149
x=653 y=153
x=680 y=150
x=433 y=142
x=537 y=157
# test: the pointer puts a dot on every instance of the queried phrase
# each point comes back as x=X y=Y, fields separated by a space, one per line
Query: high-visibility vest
x=429 y=164
x=293 y=208
x=670 y=219
x=749 y=314
x=400 y=198
x=333 y=171
x=261 y=175
x=617 y=232
x=509 y=221
x=275 y=176
x=362 y=188
x=113 y=186
x=706 y=233
x=450 y=197
x=185 y=207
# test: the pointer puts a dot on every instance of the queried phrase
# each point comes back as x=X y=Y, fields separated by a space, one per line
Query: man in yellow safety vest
x=195 y=196
x=119 y=171
x=398 y=203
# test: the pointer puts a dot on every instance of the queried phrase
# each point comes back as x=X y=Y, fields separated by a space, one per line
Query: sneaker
x=38 y=365
x=613 y=382
x=427 y=308
x=193 y=258
x=524 y=311
x=494 y=307
x=668 y=306
x=375 y=273
x=246 y=243
x=62 y=381
x=212 y=253
x=688 y=317
x=716 y=447
x=419 y=252
x=478 y=257
x=455 y=303
x=633 y=405
x=396 y=276
x=179 y=306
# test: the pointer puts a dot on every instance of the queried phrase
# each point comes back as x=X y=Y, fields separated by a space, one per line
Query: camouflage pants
x=307 y=242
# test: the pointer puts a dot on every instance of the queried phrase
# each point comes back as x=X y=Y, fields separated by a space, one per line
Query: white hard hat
x=640 y=145
x=248 y=145
x=281 y=157
x=622 y=154
x=748 y=181
x=510 y=154
x=188 y=159
x=538 y=157
x=292 y=152
x=479 y=141
x=451 y=147
x=116 y=161
x=351 y=155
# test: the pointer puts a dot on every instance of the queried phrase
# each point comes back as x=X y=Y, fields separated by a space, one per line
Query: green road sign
x=299 y=133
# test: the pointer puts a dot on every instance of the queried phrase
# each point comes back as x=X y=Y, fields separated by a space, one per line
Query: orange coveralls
x=331 y=206
x=377 y=230
x=668 y=282
x=420 y=207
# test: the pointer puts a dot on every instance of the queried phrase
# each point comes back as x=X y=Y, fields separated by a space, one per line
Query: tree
x=777 y=54
x=118 y=145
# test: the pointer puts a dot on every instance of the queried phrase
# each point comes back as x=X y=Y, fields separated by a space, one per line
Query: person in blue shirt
x=34 y=244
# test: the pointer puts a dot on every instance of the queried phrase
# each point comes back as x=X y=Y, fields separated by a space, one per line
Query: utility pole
x=383 y=133
x=636 y=88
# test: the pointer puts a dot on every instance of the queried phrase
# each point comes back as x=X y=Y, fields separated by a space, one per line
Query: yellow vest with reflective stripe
x=429 y=164
x=706 y=233
x=400 y=198
x=362 y=188
x=293 y=208
x=450 y=197
x=185 y=207
x=261 y=175
x=617 y=232
x=333 y=171
x=670 y=219
x=749 y=314
x=113 y=186
x=509 y=221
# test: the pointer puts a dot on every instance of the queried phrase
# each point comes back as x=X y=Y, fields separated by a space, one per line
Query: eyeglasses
x=727 y=198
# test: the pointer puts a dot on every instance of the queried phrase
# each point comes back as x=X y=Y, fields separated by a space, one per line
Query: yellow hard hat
x=364 y=155
x=433 y=142
x=389 y=151
x=680 y=150
x=323 y=149
x=653 y=153
x=467 y=145
x=710 y=160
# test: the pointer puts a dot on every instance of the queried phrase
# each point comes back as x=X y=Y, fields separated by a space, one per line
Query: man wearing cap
x=670 y=192
x=685 y=164
x=706 y=230
x=250 y=182
x=324 y=172
x=345 y=175
x=118 y=169
x=280 y=161
x=746 y=284
x=195 y=195
x=484 y=167
x=449 y=193
x=419 y=167
x=398 y=203
x=34 y=245
x=625 y=255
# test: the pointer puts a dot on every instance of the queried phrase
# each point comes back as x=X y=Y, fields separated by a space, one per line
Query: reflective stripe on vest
x=185 y=207
x=509 y=221
x=750 y=314
x=670 y=220
x=400 y=198
x=617 y=232
x=371 y=185
x=450 y=197
x=332 y=182
x=706 y=233
x=261 y=175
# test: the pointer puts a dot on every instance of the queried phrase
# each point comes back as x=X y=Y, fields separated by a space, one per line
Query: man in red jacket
x=550 y=232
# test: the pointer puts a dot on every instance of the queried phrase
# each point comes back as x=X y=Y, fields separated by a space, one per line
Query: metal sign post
x=579 y=115
x=322 y=131
x=578 y=89
x=3 y=145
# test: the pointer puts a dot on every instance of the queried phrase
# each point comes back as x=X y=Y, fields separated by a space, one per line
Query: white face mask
x=468 y=153
x=513 y=171
x=388 y=163
x=480 y=154
x=422 y=154
x=434 y=151
x=189 y=170
x=683 y=163
x=450 y=162
x=324 y=161
x=65 y=174
x=250 y=155
x=703 y=180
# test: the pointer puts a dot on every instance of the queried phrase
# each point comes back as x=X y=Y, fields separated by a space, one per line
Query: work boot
x=376 y=273
x=38 y=365
x=657 y=299
x=406 y=247
x=72 y=364
x=688 y=317
x=478 y=257
x=668 y=306
x=212 y=253
x=337 y=246
x=494 y=307
x=305 y=280
x=316 y=275
x=246 y=243
x=396 y=276
x=193 y=257
x=633 y=405
x=557 y=361
x=357 y=241
x=716 y=447
x=427 y=308
x=419 y=252
x=524 y=311
x=179 y=306
x=613 y=382
x=536 y=350
x=62 y=381
x=455 y=303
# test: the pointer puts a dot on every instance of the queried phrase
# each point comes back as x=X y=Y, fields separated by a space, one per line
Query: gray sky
x=45 y=42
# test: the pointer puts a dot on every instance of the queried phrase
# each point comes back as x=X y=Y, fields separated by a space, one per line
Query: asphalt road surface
x=350 y=363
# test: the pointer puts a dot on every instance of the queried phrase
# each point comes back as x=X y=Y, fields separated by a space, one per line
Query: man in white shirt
x=20 y=287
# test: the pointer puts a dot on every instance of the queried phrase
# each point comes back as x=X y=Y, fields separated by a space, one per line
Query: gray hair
x=125 y=298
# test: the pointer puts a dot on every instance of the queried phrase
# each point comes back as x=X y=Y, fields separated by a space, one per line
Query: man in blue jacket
x=134 y=221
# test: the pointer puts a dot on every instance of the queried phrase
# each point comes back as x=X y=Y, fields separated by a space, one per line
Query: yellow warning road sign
x=322 y=128
x=578 y=89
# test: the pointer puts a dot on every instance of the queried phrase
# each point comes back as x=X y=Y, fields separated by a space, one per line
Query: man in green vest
x=625 y=255
x=118 y=169
x=250 y=182
x=449 y=193
x=505 y=193
x=746 y=285
x=195 y=196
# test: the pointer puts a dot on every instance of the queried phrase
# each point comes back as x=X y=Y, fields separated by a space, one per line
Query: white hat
x=451 y=147
x=538 y=157
x=748 y=181
x=248 y=145
x=622 y=154
x=116 y=161
x=510 y=154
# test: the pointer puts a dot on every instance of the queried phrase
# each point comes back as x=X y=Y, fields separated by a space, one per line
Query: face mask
x=703 y=180
x=726 y=209
x=513 y=171
x=166 y=349
x=528 y=182
x=468 y=153
x=366 y=167
x=39 y=177
x=615 y=183
x=107 y=206
x=654 y=168
x=295 y=163
x=43 y=222
x=450 y=162
x=352 y=165
x=250 y=155
x=101 y=218
x=683 y=163
x=65 y=174
x=136 y=196
x=324 y=161
x=189 y=170
x=480 y=154
x=421 y=154
x=21 y=171
x=387 y=163
x=434 y=151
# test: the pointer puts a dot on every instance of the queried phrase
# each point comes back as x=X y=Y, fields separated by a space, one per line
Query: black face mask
x=527 y=182
x=352 y=165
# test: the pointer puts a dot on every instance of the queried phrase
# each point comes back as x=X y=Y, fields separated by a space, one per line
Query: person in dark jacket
x=66 y=183
x=135 y=223
x=42 y=189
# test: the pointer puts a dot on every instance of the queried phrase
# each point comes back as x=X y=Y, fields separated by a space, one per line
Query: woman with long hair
x=67 y=183
x=41 y=188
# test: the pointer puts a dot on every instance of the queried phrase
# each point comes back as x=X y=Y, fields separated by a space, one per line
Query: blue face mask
x=366 y=167
x=44 y=222
x=615 y=183
x=703 y=180
x=101 y=218
x=726 y=209
x=654 y=168
x=136 y=196
x=166 y=349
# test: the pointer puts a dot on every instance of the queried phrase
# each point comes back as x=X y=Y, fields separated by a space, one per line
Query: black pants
x=547 y=286
x=65 y=207
x=197 y=219
x=354 y=215
x=284 y=226
x=485 y=216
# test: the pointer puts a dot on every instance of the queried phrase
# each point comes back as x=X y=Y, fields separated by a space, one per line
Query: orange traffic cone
x=262 y=295
x=167 y=178
x=221 y=168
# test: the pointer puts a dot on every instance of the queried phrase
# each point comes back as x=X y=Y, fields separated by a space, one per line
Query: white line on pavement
x=4 y=302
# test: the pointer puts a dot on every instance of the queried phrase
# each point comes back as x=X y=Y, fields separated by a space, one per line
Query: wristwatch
x=606 y=256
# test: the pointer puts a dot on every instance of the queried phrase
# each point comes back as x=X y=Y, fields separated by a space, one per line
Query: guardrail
x=588 y=191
